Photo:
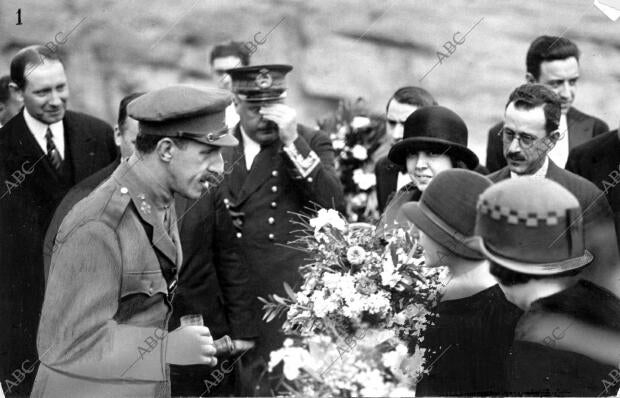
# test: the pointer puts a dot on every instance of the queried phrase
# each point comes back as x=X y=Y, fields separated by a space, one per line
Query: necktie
x=52 y=151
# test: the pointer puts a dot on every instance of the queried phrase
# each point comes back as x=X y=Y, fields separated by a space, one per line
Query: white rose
x=364 y=180
x=359 y=152
x=356 y=255
x=327 y=217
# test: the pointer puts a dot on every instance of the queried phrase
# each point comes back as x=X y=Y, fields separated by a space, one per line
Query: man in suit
x=553 y=61
x=10 y=103
x=403 y=103
x=103 y=330
x=279 y=168
x=529 y=132
x=598 y=161
x=44 y=151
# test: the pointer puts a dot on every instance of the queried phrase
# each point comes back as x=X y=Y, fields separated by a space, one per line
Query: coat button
x=274 y=189
x=150 y=290
x=271 y=236
x=274 y=205
x=124 y=190
x=271 y=220
x=309 y=179
x=274 y=173
x=239 y=235
x=226 y=201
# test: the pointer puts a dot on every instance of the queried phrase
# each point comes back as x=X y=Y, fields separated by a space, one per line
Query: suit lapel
x=262 y=166
x=160 y=238
x=81 y=148
x=26 y=153
x=554 y=172
x=234 y=168
x=579 y=127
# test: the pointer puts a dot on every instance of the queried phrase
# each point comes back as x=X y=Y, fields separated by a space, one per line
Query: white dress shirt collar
x=38 y=130
x=251 y=148
x=559 y=153
x=540 y=173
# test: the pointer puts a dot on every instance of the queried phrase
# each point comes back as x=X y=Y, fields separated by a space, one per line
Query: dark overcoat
x=598 y=161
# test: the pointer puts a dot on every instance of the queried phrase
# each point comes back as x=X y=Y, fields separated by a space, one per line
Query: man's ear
x=529 y=78
x=165 y=149
x=117 y=135
x=16 y=91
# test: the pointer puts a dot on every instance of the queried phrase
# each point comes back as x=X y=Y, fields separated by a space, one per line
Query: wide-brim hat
x=446 y=211
x=532 y=226
x=434 y=128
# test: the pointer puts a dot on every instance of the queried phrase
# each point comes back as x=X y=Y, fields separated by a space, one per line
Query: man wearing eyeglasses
x=553 y=61
x=530 y=132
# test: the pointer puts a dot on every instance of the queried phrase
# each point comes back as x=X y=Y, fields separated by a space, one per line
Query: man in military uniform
x=279 y=168
x=115 y=265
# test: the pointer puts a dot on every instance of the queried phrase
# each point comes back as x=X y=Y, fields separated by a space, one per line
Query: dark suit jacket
x=266 y=196
x=32 y=189
x=599 y=231
x=598 y=160
x=387 y=179
x=581 y=128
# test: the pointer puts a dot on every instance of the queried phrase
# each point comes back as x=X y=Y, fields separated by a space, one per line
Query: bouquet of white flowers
x=357 y=319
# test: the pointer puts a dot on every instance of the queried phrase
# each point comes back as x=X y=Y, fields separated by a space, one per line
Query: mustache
x=515 y=156
x=212 y=179
x=267 y=125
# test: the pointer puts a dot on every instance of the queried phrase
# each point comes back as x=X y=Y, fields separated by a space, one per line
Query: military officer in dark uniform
x=117 y=254
x=279 y=168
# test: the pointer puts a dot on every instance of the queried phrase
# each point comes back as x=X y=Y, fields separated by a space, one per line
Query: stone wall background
x=339 y=49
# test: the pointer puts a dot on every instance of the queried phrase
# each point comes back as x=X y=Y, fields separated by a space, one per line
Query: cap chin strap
x=211 y=137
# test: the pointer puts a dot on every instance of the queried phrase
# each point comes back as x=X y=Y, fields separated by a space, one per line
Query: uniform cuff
x=303 y=158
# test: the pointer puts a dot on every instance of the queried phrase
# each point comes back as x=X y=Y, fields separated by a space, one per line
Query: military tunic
x=107 y=304
x=280 y=182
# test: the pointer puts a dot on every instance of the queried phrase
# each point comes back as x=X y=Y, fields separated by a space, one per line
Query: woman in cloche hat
x=469 y=340
x=434 y=140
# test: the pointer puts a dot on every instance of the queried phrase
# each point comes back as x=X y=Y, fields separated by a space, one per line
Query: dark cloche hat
x=185 y=112
x=434 y=128
x=446 y=211
x=259 y=83
x=532 y=226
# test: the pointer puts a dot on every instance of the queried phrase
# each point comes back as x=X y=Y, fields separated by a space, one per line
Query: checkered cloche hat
x=531 y=225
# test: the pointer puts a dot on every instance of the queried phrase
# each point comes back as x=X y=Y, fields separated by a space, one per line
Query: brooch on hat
x=263 y=79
